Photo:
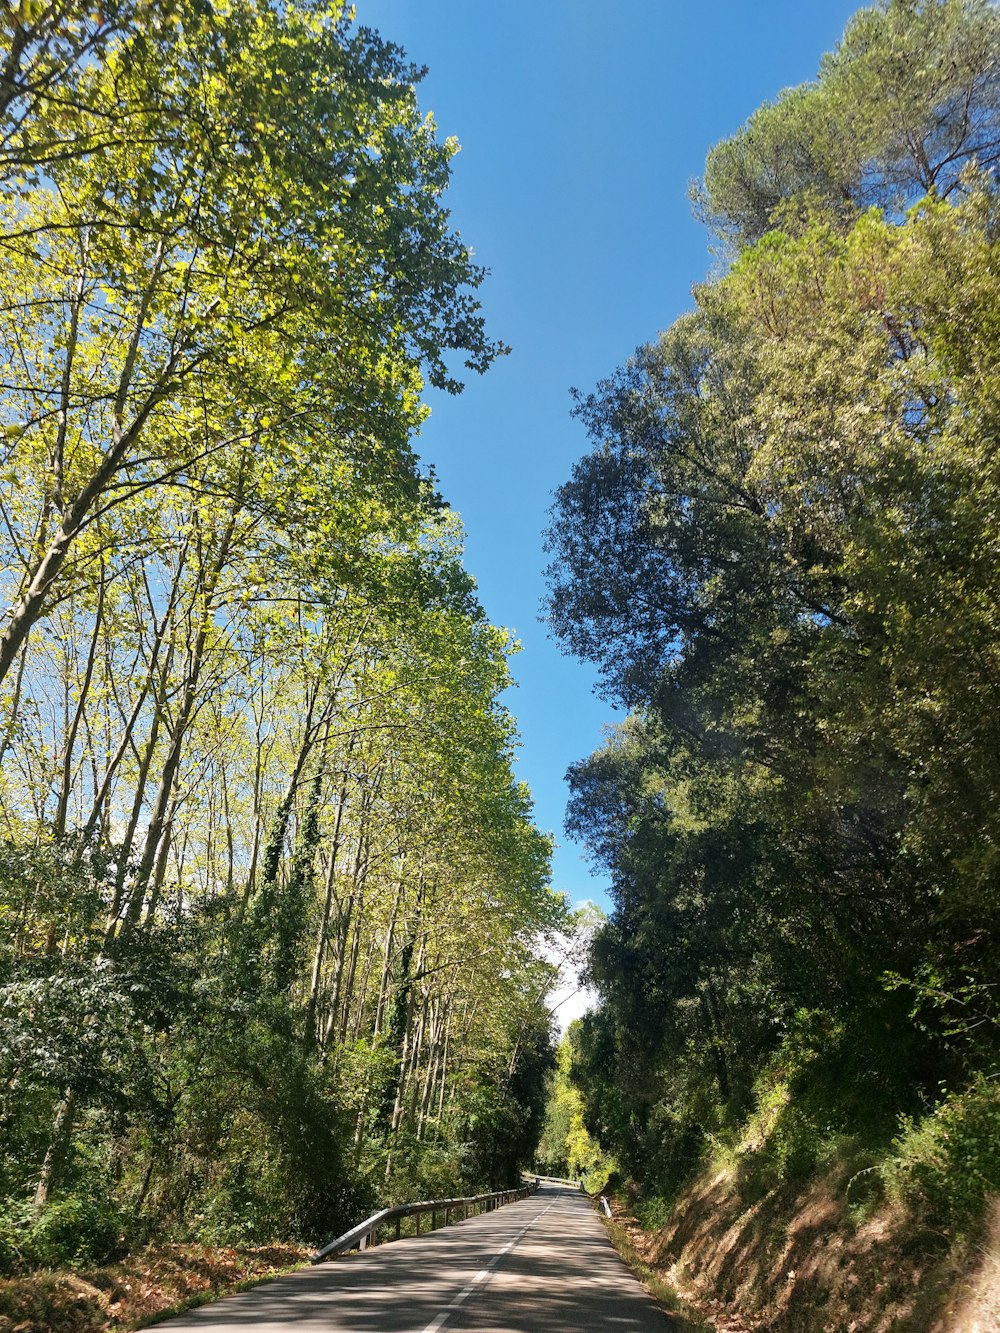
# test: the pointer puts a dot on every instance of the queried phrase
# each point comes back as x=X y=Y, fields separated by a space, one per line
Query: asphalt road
x=541 y=1265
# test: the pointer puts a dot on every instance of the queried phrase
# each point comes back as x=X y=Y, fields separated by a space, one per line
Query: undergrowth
x=946 y=1165
x=142 y=1289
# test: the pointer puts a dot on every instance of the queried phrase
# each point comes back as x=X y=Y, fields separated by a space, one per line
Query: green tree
x=907 y=100
x=271 y=897
x=779 y=554
x=260 y=256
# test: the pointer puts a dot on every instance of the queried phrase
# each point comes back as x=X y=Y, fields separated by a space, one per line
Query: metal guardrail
x=364 y=1234
x=576 y=1183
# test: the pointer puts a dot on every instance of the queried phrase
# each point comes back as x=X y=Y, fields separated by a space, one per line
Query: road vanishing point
x=541 y=1265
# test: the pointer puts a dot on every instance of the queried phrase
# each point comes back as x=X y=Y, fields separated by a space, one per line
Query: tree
x=907 y=100
x=205 y=281
x=779 y=554
x=566 y=1148
x=274 y=895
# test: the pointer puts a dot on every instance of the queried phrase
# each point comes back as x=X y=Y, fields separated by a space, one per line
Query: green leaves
x=263 y=226
x=241 y=652
x=906 y=102
x=781 y=553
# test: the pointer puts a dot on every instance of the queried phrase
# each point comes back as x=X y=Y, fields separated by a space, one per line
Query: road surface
x=541 y=1265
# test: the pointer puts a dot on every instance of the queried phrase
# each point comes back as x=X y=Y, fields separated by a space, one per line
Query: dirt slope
x=802 y=1262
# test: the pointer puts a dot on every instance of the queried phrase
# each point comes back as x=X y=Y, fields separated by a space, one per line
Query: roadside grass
x=655 y=1283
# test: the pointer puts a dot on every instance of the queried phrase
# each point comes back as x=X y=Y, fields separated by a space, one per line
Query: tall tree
x=779 y=554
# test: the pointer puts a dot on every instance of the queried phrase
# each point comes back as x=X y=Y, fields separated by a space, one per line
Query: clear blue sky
x=581 y=124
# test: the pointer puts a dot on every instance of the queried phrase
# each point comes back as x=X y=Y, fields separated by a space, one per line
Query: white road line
x=483 y=1275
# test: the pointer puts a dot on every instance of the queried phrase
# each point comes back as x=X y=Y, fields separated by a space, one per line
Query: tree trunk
x=56 y=1151
x=66 y=775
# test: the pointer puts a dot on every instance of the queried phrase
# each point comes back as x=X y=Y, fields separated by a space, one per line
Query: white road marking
x=483 y=1275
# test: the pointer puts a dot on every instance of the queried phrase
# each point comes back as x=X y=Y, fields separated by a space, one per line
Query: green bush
x=653 y=1212
x=71 y=1231
x=948 y=1163
x=797 y=1144
x=422 y=1170
x=77 y=1230
x=11 y=1245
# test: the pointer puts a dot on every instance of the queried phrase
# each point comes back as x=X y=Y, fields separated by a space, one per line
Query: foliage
x=271 y=897
x=780 y=553
x=908 y=99
x=945 y=1165
x=566 y=1147
x=74 y=1230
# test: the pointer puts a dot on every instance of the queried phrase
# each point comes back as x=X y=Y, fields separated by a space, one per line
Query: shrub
x=946 y=1164
x=426 y=1171
x=653 y=1212
x=71 y=1231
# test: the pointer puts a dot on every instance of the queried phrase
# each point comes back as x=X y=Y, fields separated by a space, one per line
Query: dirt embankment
x=802 y=1262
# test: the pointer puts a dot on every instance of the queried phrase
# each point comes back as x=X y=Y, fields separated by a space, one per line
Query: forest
x=782 y=553
x=272 y=899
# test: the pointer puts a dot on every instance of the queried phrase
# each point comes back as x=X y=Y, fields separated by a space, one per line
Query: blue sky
x=581 y=125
